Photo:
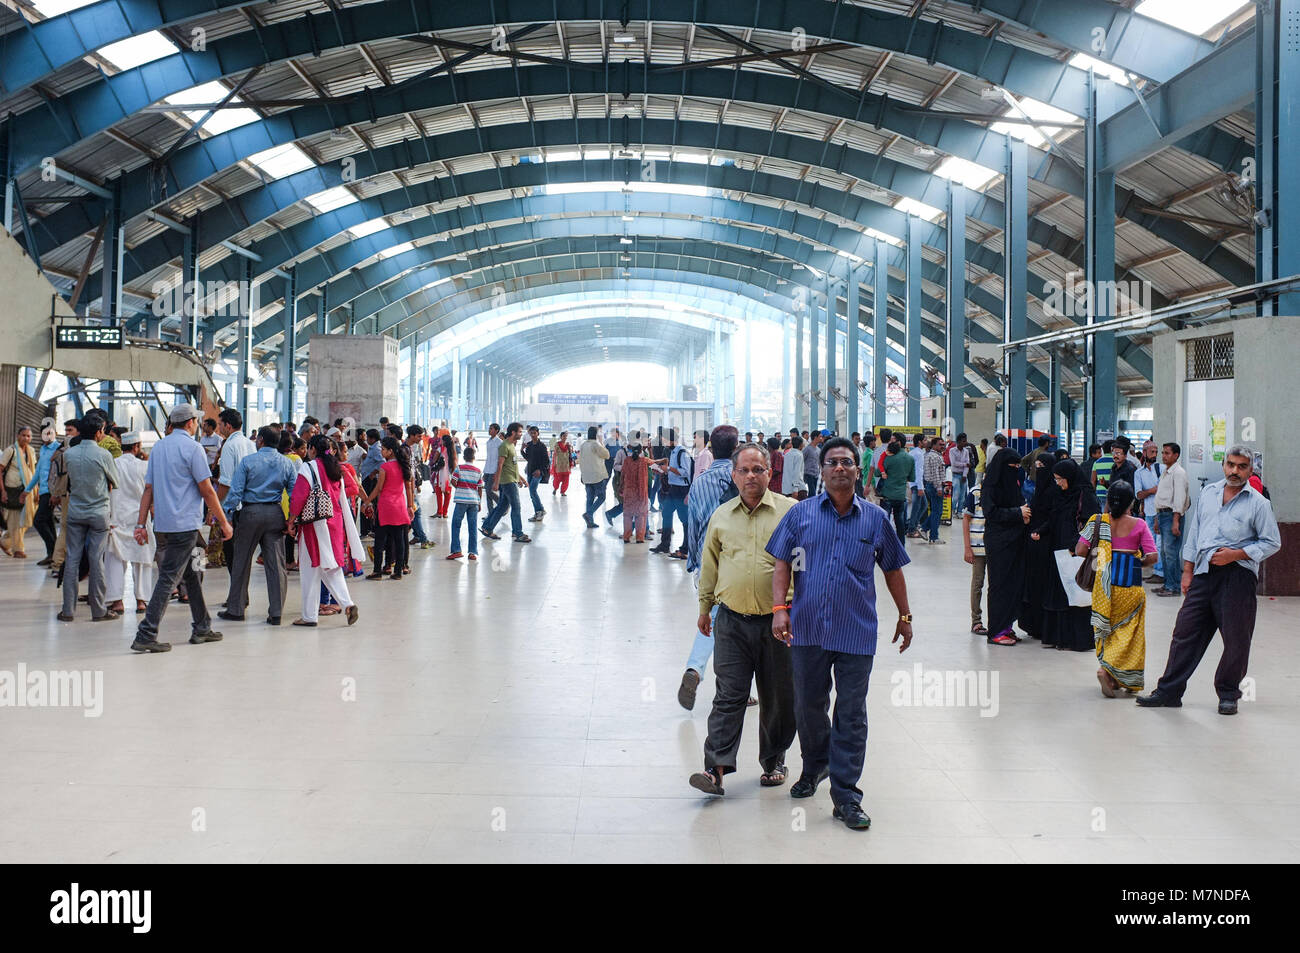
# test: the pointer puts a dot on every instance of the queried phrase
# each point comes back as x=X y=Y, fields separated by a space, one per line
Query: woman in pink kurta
x=323 y=542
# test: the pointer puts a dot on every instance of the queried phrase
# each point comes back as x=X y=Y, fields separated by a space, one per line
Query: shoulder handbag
x=11 y=493
x=318 y=505
x=1087 y=573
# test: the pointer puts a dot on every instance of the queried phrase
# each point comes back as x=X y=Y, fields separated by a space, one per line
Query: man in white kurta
x=122 y=547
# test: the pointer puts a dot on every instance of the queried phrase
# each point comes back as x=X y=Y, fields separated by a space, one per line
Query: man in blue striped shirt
x=832 y=543
x=707 y=490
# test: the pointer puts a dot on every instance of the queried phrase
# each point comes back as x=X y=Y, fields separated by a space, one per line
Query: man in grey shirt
x=1230 y=530
x=92 y=475
x=812 y=467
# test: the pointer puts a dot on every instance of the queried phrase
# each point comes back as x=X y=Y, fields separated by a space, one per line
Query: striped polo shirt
x=466 y=481
x=834 y=559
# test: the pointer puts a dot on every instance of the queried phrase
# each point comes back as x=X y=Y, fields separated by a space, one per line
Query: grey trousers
x=176 y=555
x=260 y=524
x=91 y=537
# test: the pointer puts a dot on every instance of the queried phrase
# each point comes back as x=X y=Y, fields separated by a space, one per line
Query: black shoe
x=46 y=561
x=229 y=616
x=686 y=691
x=1157 y=700
x=199 y=638
x=139 y=645
x=854 y=818
x=807 y=787
x=1227 y=706
x=273 y=620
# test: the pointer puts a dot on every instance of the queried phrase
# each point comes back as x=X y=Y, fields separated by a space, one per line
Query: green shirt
x=509 y=462
x=900 y=470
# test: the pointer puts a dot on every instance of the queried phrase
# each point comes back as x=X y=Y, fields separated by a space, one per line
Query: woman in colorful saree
x=1119 y=603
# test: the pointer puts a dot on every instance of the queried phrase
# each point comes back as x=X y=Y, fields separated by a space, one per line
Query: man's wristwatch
x=906 y=617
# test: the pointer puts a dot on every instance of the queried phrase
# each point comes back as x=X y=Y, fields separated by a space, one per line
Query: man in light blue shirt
x=260 y=482
x=1230 y=531
x=177 y=485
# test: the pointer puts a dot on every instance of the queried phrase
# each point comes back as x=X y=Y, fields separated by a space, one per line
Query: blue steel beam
x=485 y=281
x=1214 y=87
x=224 y=221
x=30 y=55
x=299 y=239
x=1136 y=43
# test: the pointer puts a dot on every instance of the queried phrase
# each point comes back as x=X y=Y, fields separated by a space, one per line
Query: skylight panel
x=367 y=228
x=331 y=199
x=1194 y=16
x=964 y=172
x=280 y=161
x=137 y=50
x=910 y=206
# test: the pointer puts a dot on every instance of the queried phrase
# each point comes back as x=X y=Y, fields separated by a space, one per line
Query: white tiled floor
x=529 y=713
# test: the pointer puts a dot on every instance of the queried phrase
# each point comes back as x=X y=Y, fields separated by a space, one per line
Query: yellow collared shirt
x=735 y=568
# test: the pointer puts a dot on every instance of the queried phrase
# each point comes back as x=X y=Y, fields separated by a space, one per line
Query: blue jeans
x=90 y=537
x=839 y=744
x=897 y=510
x=1154 y=525
x=595 y=498
x=533 y=483
x=653 y=491
x=1171 y=551
x=918 y=509
x=508 y=500
x=702 y=647
x=934 y=496
x=417 y=525
x=468 y=512
x=671 y=503
x=960 y=487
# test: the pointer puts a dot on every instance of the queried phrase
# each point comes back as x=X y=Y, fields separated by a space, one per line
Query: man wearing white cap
x=177 y=485
x=122 y=547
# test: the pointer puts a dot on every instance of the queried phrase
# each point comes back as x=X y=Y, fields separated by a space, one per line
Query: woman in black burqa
x=1006 y=518
x=1073 y=501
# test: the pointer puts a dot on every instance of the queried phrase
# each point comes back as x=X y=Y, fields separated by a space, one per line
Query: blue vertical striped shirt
x=834 y=558
x=706 y=493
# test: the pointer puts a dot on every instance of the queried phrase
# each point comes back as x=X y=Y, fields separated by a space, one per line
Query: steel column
x=715 y=372
x=784 y=416
x=110 y=306
x=799 y=393
x=1277 y=136
x=749 y=329
x=814 y=362
x=1099 y=241
x=832 y=349
x=191 y=290
x=851 y=348
x=1054 y=395
x=879 y=331
x=914 y=320
x=1015 y=258
x=246 y=303
x=289 y=347
x=955 y=300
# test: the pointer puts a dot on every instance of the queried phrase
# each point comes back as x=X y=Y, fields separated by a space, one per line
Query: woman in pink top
x=392 y=508
x=322 y=542
x=1119 y=603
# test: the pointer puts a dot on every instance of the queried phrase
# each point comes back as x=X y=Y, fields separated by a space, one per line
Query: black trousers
x=44 y=523
x=390 y=547
x=368 y=524
x=1222 y=599
x=745 y=650
x=260 y=525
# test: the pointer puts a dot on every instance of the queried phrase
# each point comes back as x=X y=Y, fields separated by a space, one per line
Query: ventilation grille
x=1210 y=358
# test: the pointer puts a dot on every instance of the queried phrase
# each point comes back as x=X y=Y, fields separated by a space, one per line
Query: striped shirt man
x=706 y=493
x=834 y=558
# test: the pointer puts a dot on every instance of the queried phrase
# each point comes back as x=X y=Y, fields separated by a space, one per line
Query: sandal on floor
x=1003 y=638
x=303 y=622
x=774 y=778
x=710 y=782
x=978 y=629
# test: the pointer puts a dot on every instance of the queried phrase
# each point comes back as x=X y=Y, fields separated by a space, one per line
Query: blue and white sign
x=573 y=398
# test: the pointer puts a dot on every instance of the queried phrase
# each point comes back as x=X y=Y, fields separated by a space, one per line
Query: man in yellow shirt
x=736 y=576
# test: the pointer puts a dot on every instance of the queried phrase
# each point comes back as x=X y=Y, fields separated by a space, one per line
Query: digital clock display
x=79 y=336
